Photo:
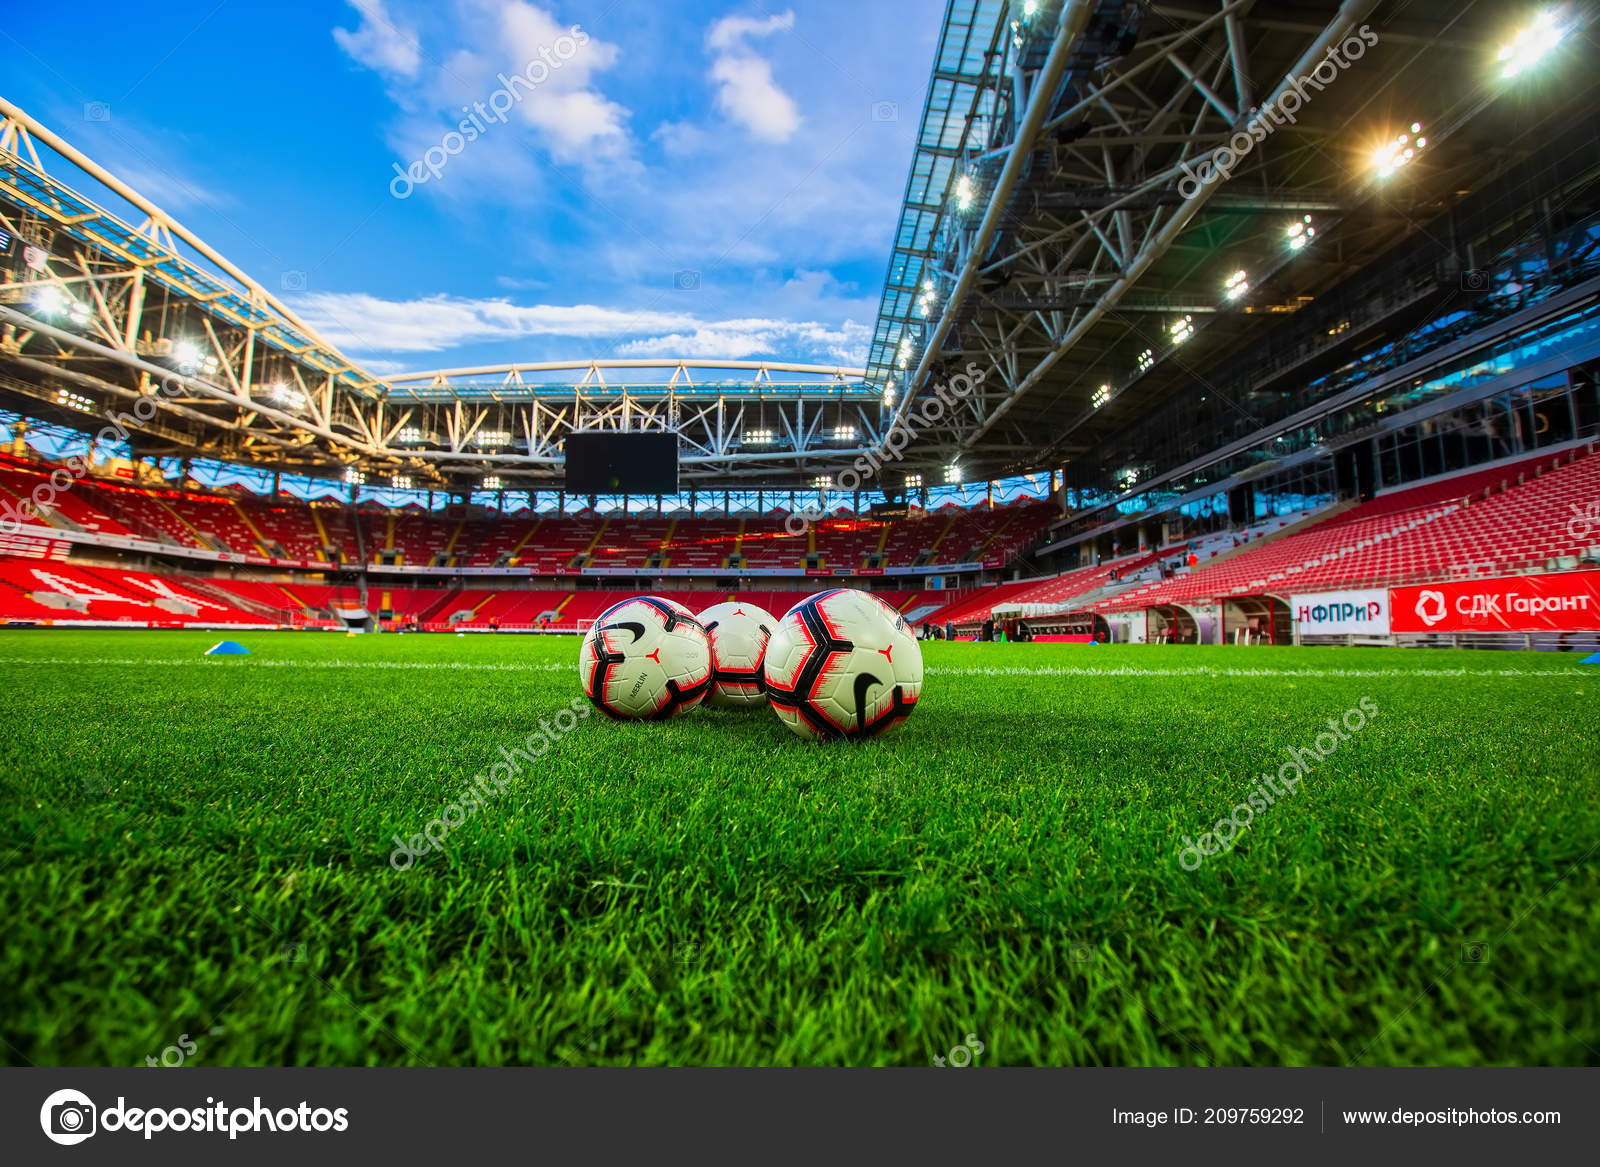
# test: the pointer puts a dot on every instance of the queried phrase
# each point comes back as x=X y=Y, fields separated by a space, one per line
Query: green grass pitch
x=201 y=849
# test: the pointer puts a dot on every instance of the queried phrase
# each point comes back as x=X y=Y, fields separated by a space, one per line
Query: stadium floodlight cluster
x=1236 y=285
x=1300 y=233
x=190 y=360
x=1533 y=43
x=74 y=401
x=287 y=395
x=491 y=482
x=965 y=193
x=1391 y=156
x=54 y=304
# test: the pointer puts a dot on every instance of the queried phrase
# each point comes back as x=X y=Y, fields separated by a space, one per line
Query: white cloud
x=508 y=65
x=732 y=31
x=735 y=339
x=679 y=139
x=569 y=112
x=379 y=43
x=364 y=324
x=746 y=91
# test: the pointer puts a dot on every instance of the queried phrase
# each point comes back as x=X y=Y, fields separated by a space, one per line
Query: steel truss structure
x=100 y=317
x=1066 y=229
x=1069 y=231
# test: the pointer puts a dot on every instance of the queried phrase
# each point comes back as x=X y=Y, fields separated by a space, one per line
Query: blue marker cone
x=227 y=648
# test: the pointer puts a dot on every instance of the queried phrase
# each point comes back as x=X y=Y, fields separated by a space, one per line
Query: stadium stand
x=1497 y=520
x=1503 y=518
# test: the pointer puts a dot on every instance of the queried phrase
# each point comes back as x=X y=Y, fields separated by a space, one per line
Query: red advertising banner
x=1567 y=601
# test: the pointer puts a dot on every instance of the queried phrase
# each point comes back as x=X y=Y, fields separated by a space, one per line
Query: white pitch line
x=1205 y=671
x=292 y=664
x=1048 y=671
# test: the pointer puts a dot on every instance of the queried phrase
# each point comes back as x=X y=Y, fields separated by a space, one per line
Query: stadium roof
x=1062 y=236
x=1061 y=232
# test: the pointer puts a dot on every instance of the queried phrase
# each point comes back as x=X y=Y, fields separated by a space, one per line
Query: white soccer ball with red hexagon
x=739 y=634
x=645 y=658
x=843 y=664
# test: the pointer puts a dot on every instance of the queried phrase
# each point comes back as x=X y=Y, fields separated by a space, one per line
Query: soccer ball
x=843 y=664
x=739 y=635
x=645 y=659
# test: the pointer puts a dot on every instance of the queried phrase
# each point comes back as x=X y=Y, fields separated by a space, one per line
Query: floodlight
x=1393 y=155
x=1533 y=43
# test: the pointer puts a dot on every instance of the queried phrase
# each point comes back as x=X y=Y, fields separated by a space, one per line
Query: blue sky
x=762 y=148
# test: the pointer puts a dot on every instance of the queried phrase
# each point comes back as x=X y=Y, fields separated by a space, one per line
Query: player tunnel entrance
x=1256 y=620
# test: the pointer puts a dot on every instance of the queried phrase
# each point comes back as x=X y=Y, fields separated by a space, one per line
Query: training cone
x=1591 y=660
x=227 y=648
